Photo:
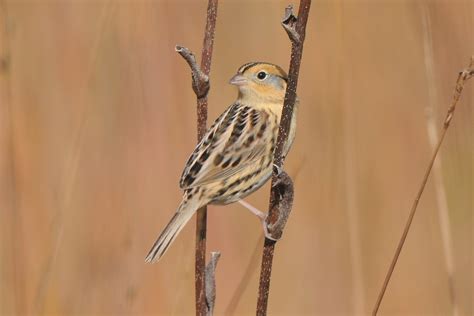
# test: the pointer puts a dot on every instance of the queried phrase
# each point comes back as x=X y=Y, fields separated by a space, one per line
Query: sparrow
x=235 y=156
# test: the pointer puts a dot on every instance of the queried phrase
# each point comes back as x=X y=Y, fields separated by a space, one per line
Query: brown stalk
x=281 y=195
x=200 y=83
x=439 y=185
x=463 y=76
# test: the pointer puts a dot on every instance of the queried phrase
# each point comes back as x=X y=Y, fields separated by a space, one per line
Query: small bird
x=235 y=156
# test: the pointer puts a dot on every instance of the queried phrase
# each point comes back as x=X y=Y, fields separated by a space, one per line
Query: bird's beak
x=238 y=80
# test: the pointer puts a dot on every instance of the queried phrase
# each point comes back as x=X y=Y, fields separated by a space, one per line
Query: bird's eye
x=262 y=75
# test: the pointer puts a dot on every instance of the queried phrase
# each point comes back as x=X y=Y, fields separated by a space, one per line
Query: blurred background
x=97 y=119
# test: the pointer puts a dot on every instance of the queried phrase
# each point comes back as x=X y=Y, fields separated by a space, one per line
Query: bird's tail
x=184 y=213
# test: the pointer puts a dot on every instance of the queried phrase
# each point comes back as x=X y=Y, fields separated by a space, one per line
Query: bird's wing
x=239 y=138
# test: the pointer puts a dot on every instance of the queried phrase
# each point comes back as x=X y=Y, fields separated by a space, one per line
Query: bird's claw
x=277 y=169
x=268 y=235
x=279 y=172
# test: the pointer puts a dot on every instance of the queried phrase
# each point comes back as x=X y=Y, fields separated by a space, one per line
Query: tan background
x=97 y=120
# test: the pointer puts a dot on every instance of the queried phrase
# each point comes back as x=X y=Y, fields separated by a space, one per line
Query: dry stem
x=281 y=195
x=200 y=83
x=432 y=130
x=463 y=76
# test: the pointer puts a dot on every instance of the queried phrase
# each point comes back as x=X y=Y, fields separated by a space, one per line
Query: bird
x=235 y=156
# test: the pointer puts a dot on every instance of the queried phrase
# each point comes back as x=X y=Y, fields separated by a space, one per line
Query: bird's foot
x=253 y=209
x=268 y=235
x=277 y=169
x=262 y=216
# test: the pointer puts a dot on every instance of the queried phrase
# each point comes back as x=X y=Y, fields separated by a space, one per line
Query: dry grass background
x=97 y=118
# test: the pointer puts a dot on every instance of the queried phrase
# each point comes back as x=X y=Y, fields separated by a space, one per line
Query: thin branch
x=296 y=29
x=432 y=129
x=200 y=83
x=211 y=282
x=281 y=195
x=464 y=75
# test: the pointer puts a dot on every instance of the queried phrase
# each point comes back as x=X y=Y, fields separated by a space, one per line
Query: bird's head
x=259 y=81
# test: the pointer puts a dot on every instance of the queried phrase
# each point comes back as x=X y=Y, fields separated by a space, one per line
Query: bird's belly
x=244 y=189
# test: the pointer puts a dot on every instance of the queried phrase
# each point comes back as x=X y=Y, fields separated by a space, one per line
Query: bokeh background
x=97 y=118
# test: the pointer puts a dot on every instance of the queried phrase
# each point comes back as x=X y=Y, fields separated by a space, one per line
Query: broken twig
x=211 y=282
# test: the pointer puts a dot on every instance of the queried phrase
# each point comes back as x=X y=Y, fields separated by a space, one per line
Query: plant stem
x=200 y=84
x=462 y=78
x=296 y=29
x=201 y=218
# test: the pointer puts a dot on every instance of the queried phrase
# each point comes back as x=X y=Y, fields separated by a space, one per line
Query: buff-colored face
x=262 y=80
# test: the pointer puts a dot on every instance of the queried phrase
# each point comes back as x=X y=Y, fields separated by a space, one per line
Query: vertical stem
x=200 y=261
x=296 y=32
x=201 y=218
x=265 y=276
